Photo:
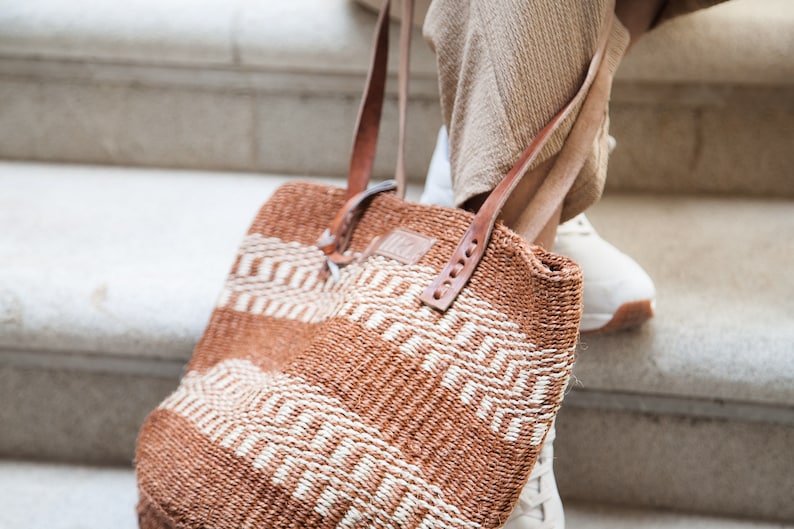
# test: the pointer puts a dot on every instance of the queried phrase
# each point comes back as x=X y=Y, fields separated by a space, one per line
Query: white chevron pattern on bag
x=482 y=354
x=265 y=418
x=280 y=279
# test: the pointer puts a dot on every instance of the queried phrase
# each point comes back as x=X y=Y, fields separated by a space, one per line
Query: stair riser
x=675 y=462
x=200 y=128
x=702 y=139
x=671 y=138
x=653 y=460
x=76 y=416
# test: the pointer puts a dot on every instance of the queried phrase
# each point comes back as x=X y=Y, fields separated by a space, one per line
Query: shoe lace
x=579 y=225
x=539 y=490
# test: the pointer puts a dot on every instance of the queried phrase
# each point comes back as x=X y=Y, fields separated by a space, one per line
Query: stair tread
x=109 y=264
x=725 y=285
x=744 y=41
x=118 y=261
x=38 y=495
x=302 y=35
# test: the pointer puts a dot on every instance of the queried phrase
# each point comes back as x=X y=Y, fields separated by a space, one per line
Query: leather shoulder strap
x=365 y=140
x=456 y=274
x=404 y=77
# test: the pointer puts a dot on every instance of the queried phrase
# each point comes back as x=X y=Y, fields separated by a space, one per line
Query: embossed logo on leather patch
x=404 y=246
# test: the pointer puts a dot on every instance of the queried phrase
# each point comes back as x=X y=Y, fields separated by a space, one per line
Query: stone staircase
x=100 y=305
x=274 y=86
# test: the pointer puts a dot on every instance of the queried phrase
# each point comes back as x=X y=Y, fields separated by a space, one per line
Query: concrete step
x=109 y=276
x=39 y=496
x=704 y=104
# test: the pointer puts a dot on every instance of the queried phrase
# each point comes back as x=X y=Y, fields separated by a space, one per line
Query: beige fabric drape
x=505 y=68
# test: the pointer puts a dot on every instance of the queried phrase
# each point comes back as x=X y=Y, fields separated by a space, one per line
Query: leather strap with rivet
x=594 y=90
x=458 y=271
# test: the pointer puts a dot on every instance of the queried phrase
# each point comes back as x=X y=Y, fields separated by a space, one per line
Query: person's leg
x=505 y=68
x=478 y=75
x=618 y=293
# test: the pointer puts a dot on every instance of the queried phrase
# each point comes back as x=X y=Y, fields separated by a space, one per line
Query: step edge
x=92 y=362
x=675 y=405
x=229 y=79
x=694 y=406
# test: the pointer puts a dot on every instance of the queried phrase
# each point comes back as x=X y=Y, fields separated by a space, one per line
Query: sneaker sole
x=628 y=316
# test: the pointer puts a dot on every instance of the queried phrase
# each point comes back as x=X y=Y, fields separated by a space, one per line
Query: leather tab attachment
x=453 y=277
x=336 y=238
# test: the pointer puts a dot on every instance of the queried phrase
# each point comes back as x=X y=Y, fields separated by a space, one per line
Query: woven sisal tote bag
x=370 y=362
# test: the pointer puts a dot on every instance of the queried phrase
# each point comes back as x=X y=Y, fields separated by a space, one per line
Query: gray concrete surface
x=746 y=41
x=703 y=106
x=725 y=299
x=39 y=496
x=128 y=263
x=109 y=275
x=674 y=461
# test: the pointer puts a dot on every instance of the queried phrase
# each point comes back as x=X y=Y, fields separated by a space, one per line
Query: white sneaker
x=539 y=506
x=617 y=292
x=438 y=184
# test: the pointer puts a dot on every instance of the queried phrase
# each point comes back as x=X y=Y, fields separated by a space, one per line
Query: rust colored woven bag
x=402 y=372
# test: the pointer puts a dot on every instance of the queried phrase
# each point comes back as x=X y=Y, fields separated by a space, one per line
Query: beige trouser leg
x=505 y=68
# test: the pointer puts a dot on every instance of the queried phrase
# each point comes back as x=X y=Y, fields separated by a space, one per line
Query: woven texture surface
x=347 y=403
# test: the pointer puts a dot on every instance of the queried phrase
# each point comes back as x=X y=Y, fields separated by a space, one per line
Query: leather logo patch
x=404 y=246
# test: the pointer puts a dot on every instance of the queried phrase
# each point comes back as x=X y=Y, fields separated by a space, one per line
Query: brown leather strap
x=365 y=141
x=457 y=272
x=403 y=77
x=335 y=240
